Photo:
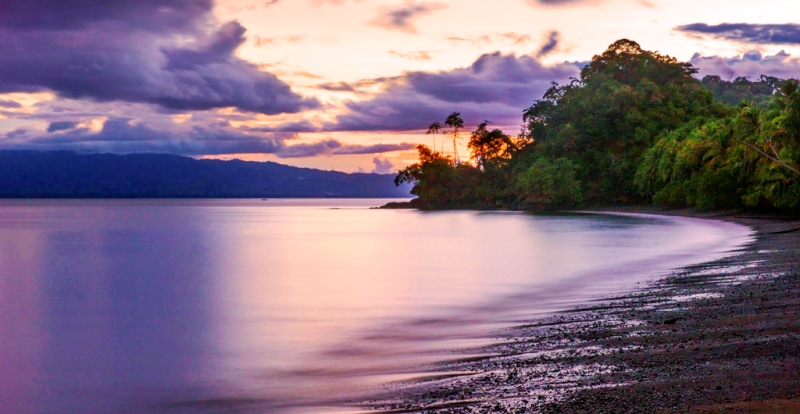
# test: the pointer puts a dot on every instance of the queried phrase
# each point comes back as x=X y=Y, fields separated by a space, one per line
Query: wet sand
x=719 y=337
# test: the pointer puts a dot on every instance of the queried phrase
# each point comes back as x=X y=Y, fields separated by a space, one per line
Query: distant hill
x=64 y=174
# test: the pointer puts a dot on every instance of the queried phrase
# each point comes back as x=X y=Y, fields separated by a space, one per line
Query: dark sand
x=721 y=337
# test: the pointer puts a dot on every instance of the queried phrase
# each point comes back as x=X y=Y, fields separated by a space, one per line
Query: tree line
x=637 y=127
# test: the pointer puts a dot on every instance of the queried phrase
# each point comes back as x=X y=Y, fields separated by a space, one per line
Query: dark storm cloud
x=751 y=65
x=788 y=34
x=496 y=87
x=55 y=15
x=400 y=18
x=61 y=125
x=127 y=51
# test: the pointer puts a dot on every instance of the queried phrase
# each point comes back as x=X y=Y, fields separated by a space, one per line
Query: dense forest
x=636 y=128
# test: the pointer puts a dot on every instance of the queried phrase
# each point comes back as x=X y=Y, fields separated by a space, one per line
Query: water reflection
x=238 y=305
x=101 y=306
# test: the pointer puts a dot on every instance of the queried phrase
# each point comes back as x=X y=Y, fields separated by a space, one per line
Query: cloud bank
x=158 y=52
x=497 y=87
x=786 y=34
x=751 y=65
x=127 y=135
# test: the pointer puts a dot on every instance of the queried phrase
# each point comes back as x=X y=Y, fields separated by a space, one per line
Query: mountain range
x=65 y=174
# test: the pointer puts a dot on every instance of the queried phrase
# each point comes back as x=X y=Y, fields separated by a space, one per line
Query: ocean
x=290 y=305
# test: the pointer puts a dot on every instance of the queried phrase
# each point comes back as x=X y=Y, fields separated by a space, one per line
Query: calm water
x=256 y=306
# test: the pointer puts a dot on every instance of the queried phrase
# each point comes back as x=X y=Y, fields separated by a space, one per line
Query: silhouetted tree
x=433 y=129
x=490 y=149
x=456 y=123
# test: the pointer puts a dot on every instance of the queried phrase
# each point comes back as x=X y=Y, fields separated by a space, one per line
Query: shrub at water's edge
x=636 y=128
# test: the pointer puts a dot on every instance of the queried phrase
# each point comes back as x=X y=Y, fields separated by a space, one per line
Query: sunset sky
x=348 y=85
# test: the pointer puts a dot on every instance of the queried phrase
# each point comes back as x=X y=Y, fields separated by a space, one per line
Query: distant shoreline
x=711 y=337
x=64 y=174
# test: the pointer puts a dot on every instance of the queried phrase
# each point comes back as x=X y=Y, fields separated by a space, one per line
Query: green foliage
x=549 y=185
x=491 y=150
x=733 y=92
x=635 y=127
x=625 y=99
x=439 y=183
x=688 y=167
x=744 y=159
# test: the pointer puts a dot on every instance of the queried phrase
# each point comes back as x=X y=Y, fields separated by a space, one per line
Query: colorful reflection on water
x=257 y=306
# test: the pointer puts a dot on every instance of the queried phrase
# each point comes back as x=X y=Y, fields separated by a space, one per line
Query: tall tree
x=768 y=141
x=456 y=124
x=490 y=149
x=433 y=129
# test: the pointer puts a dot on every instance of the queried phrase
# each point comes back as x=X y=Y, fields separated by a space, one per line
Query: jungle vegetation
x=637 y=127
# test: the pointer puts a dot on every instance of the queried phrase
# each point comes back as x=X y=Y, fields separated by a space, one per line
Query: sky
x=348 y=85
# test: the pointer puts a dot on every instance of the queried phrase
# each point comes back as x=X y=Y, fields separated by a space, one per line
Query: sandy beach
x=722 y=336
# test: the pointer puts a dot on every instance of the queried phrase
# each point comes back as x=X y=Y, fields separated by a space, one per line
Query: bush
x=549 y=185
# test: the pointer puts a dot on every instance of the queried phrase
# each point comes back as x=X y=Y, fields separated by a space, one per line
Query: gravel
x=719 y=337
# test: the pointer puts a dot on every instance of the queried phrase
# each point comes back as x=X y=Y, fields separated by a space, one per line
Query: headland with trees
x=636 y=128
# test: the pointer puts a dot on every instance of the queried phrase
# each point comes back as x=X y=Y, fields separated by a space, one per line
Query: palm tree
x=433 y=129
x=749 y=125
x=455 y=122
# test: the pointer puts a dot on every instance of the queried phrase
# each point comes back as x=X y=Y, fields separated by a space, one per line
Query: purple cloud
x=61 y=125
x=289 y=127
x=337 y=87
x=5 y=103
x=495 y=87
x=149 y=15
x=400 y=18
x=373 y=149
x=126 y=135
x=550 y=45
x=309 y=150
x=127 y=50
x=333 y=147
x=383 y=166
x=787 y=34
x=752 y=65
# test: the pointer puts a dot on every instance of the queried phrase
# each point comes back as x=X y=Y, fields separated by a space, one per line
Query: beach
x=722 y=336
